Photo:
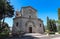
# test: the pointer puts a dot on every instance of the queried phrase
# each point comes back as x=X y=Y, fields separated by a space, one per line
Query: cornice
x=30 y=7
x=28 y=18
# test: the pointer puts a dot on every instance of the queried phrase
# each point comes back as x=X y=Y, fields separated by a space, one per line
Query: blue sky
x=44 y=8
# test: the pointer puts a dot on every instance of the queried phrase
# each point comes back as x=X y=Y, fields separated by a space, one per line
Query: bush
x=59 y=32
x=52 y=33
x=4 y=34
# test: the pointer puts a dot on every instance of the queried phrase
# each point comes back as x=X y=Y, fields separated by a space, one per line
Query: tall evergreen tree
x=58 y=25
x=6 y=10
x=51 y=25
x=47 y=23
x=54 y=26
x=58 y=19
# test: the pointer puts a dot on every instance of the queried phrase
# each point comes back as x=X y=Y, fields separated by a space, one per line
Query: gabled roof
x=29 y=7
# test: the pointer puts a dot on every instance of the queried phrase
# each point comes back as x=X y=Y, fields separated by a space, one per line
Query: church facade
x=26 y=21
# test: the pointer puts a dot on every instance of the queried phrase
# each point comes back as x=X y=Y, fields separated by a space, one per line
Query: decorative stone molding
x=30 y=22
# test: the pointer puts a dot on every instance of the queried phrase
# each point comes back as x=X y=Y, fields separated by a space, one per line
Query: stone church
x=26 y=21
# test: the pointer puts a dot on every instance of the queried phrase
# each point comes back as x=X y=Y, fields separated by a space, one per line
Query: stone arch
x=30 y=26
x=29 y=22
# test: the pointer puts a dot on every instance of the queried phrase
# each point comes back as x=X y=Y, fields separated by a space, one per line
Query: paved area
x=56 y=38
x=36 y=36
x=40 y=36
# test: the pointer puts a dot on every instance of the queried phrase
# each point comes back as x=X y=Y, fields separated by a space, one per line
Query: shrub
x=52 y=33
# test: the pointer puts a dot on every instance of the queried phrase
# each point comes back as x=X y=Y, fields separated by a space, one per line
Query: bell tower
x=18 y=14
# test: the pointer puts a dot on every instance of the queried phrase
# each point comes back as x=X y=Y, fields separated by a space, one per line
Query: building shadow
x=29 y=37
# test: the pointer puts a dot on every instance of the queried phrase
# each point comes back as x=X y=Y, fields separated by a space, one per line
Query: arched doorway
x=30 y=26
x=30 y=29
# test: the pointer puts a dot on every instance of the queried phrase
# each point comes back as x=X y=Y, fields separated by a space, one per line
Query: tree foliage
x=4 y=30
x=51 y=25
x=58 y=26
x=6 y=10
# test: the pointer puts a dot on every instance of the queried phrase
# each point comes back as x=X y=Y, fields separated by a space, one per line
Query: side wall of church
x=17 y=25
x=41 y=27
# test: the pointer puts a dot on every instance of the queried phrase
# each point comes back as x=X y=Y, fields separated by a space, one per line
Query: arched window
x=29 y=16
x=17 y=24
x=40 y=25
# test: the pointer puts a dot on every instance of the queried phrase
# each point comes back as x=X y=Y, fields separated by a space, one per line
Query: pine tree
x=47 y=23
x=6 y=10
x=51 y=25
